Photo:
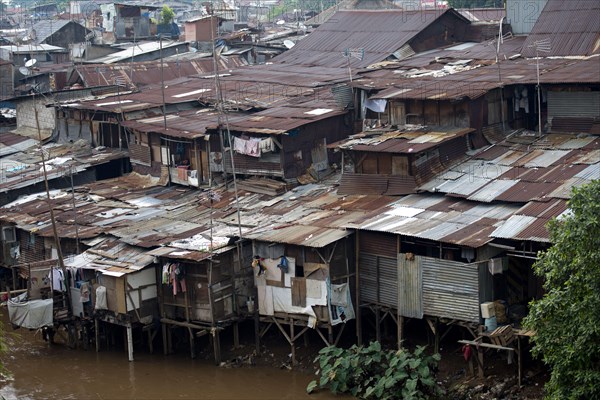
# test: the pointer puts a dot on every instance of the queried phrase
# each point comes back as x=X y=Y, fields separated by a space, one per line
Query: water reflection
x=42 y=372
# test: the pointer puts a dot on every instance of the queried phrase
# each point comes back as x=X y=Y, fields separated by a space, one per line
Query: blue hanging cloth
x=283 y=264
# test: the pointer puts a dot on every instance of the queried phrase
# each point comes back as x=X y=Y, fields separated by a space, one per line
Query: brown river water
x=40 y=371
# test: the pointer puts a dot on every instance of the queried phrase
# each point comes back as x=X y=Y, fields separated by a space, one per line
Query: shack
x=115 y=284
x=198 y=291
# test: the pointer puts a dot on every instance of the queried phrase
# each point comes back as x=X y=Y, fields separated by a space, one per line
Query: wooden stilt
x=170 y=340
x=437 y=335
x=480 y=362
x=130 y=342
x=292 y=342
x=236 y=334
x=400 y=331
x=330 y=336
x=165 y=339
x=377 y=324
x=97 y=333
x=257 y=334
x=217 y=346
x=519 y=359
x=192 y=343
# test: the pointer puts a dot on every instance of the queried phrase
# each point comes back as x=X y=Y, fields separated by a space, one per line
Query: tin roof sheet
x=571 y=26
x=511 y=227
x=544 y=209
x=302 y=235
x=492 y=190
x=144 y=73
x=379 y=33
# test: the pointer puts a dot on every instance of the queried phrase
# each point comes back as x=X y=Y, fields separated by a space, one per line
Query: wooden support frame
x=293 y=335
x=479 y=346
x=194 y=331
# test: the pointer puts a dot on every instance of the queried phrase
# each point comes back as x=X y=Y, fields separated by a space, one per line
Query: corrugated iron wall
x=410 y=284
x=378 y=243
x=378 y=280
x=573 y=104
x=378 y=268
x=450 y=289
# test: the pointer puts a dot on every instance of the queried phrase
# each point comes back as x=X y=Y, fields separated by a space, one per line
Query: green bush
x=373 y=373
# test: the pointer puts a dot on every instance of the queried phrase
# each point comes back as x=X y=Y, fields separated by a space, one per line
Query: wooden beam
x=129 y=342
x=283 y=331
x=323 y=337
x=339 y=335
x=486 y=345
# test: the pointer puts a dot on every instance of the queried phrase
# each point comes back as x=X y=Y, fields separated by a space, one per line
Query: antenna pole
x=61 y=261
x=539 y=99
x=221 y=113
x=500 y=38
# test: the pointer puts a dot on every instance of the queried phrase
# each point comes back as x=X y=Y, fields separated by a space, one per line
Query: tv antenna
x=544 y=46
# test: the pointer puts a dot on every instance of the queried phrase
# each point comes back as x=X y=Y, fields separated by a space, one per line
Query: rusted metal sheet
x=378 y=243
x=571 y=26
x=376 y=184
x=526 y=191
x=544 y=209
x=354 y=29
x=474 y=235
x=143 y=73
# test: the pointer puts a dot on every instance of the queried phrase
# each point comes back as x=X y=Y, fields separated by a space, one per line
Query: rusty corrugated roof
x=380 y=33
x=145 y=73
x=572 y=27
x=523 y=168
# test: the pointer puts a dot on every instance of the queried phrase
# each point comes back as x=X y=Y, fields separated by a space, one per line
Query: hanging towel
x=84 y=292
x=101 y=303
x=253 y=147
x=267 y=145
x=239 y=145
x=376 y=105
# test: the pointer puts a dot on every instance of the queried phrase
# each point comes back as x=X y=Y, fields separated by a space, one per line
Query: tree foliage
x=567 y=319
x=476 y=3
x=373 y=373
x=167 y=15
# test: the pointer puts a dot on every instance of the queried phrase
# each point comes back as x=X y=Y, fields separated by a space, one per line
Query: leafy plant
x=167 y=15
x=373 y=373
x=567 y=319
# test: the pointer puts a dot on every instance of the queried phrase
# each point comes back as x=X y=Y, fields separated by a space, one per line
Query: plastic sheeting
x=101 y=301
x=31 y=314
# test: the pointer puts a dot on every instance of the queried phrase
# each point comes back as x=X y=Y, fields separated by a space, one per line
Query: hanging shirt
x=58 y=279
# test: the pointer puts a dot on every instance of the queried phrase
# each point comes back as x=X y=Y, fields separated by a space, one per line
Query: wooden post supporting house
x=318 y=298
x=197 y=296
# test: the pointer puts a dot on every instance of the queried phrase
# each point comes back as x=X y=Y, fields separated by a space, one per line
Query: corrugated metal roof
x=571 y=26
x=511 y=227
x=351 y=183
x=544 y=158
x=380 y=33
x=407 y=140
x=474 y=235
x=541 y=169
x=536 y=231
x=544 y=209
x=492 y=190
x=112 y=257
x=482 y=14
x=144 y=73
x=46 y=28
x=300 y=235
x=526 y=191
x=591 y=172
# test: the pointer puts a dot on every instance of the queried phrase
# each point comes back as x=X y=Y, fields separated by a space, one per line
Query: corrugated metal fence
x=450 y=289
